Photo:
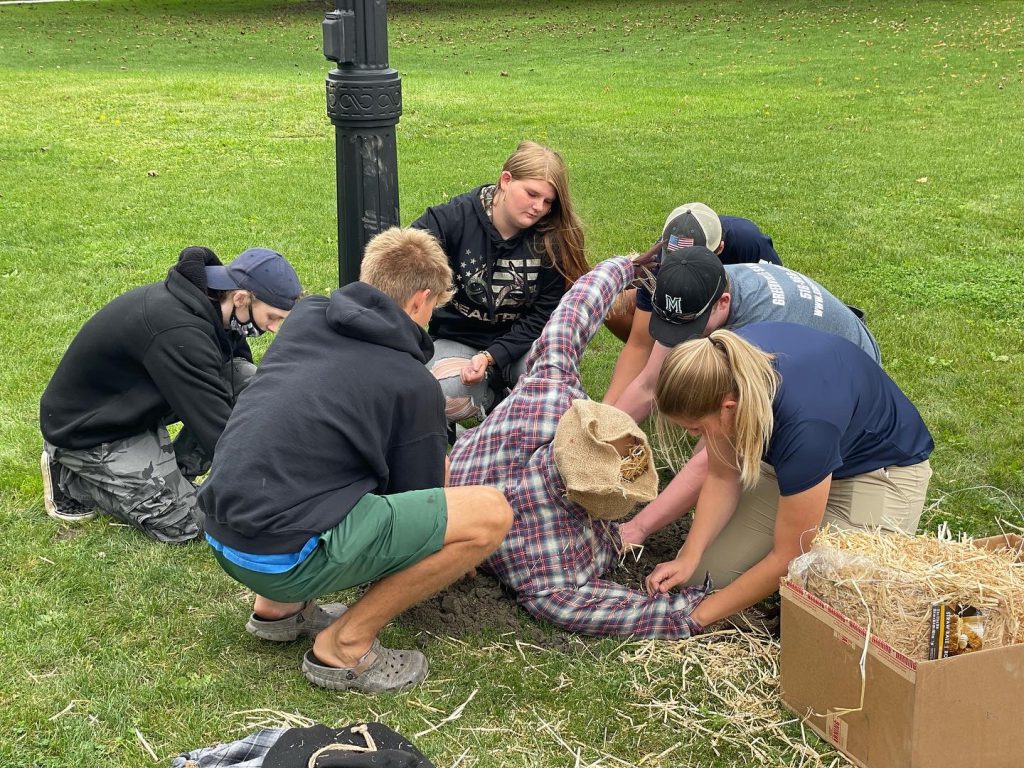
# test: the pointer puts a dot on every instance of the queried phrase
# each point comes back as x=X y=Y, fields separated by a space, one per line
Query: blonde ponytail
x=699 y=374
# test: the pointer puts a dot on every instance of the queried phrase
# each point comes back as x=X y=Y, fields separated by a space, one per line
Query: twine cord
x=371 y=745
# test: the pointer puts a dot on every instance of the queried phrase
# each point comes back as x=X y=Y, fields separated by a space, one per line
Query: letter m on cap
x=673 y=304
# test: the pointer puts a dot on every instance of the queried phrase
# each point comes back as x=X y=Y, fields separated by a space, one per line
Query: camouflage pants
x=144 y=479
x=136 y=480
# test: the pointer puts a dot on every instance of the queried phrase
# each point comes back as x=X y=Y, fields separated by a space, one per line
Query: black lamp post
x=364 y=101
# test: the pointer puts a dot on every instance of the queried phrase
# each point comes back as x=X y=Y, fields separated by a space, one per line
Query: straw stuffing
x=895 y=581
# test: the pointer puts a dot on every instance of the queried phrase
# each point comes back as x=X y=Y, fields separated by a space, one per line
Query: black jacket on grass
x=342 y=405
x=505 y=290
x=151 y=356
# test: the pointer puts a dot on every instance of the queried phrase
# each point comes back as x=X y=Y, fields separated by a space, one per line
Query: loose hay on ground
x=701 y=702
x=713 y=696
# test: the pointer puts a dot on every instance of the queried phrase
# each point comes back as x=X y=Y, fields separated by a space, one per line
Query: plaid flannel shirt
x=244 y=753
x=554 y=555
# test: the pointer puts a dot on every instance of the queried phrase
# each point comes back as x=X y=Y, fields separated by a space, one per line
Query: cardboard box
x=965 y=710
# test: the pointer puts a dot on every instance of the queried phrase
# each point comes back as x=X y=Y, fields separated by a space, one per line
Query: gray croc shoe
x=380 y=670
x=307 y=622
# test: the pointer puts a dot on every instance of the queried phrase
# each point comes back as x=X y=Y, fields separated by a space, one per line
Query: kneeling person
x=731 y=239
x=330 y=473
x=696 y=295
x=803 y=428
x=170 y=351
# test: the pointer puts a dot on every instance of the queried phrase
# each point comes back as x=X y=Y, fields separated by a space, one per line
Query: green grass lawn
x=879 y=144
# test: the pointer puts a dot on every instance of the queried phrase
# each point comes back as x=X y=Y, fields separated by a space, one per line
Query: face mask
x=247 y=329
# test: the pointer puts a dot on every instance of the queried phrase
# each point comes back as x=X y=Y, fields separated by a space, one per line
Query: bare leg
x=271 y=610
x=478 y=519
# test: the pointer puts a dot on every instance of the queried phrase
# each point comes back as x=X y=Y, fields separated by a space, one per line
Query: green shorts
x=380 y=536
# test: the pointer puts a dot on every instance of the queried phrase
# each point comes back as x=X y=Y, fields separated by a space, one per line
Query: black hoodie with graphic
x=341 y=406
x=150 y=356
x=505 y=290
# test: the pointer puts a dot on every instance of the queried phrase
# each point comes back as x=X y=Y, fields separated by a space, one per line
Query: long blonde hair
x=699 y=374
x=560 y=232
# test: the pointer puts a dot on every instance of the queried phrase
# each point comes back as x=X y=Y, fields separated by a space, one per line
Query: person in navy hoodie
x=331 y=473
x=514 y=248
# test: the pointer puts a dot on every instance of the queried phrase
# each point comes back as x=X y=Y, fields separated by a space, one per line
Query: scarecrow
x=570 y=467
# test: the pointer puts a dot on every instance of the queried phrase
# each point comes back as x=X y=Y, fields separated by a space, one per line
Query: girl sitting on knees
x=514 y=247
x=802 y=428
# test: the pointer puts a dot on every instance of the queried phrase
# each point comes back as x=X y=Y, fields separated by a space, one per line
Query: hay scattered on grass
x=455 y=715
x=729 y=699
x=714 y=694
x=255 y=719
x=146 y=745
x=695 y=702
x=892 y=581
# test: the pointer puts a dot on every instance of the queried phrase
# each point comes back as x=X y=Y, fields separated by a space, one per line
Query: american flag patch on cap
x=675 y=243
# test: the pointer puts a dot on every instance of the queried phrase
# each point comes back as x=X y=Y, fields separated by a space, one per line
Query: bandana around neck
x=487 y=200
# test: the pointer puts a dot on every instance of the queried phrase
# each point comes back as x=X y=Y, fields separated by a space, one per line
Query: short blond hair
x=400 y=262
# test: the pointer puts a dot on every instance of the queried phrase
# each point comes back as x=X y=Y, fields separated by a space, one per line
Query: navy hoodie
x=341 y=406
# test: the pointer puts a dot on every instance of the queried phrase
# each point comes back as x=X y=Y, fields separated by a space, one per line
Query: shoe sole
x=49 y=504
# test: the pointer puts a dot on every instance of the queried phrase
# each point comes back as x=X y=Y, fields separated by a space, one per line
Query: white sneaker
x=57 y=504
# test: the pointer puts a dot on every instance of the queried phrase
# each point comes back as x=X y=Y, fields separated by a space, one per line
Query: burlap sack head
x=596 y=476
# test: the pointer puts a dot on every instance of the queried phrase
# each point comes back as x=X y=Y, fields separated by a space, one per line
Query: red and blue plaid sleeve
x=554 y=555
x=606 y=608
x=558 y=350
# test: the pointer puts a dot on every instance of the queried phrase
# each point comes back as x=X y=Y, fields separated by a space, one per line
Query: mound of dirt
x=482 y=604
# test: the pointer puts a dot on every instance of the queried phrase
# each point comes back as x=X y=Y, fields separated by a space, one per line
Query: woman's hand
x=476 y=370
x=632 y=534
x=670 y=574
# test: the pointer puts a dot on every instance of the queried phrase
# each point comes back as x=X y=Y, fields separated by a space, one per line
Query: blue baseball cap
x=261 y=271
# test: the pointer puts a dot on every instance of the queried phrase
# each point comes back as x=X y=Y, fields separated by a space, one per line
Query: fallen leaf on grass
x=922 y=180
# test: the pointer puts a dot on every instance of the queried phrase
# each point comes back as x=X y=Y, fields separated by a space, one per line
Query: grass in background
x=879 y=145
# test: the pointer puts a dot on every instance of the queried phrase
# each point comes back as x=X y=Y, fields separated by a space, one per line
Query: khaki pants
x=891 y=499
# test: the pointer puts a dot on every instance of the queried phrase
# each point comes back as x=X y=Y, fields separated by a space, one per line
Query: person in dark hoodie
x=331 y=473
x=169 y=351
x=514 y=248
